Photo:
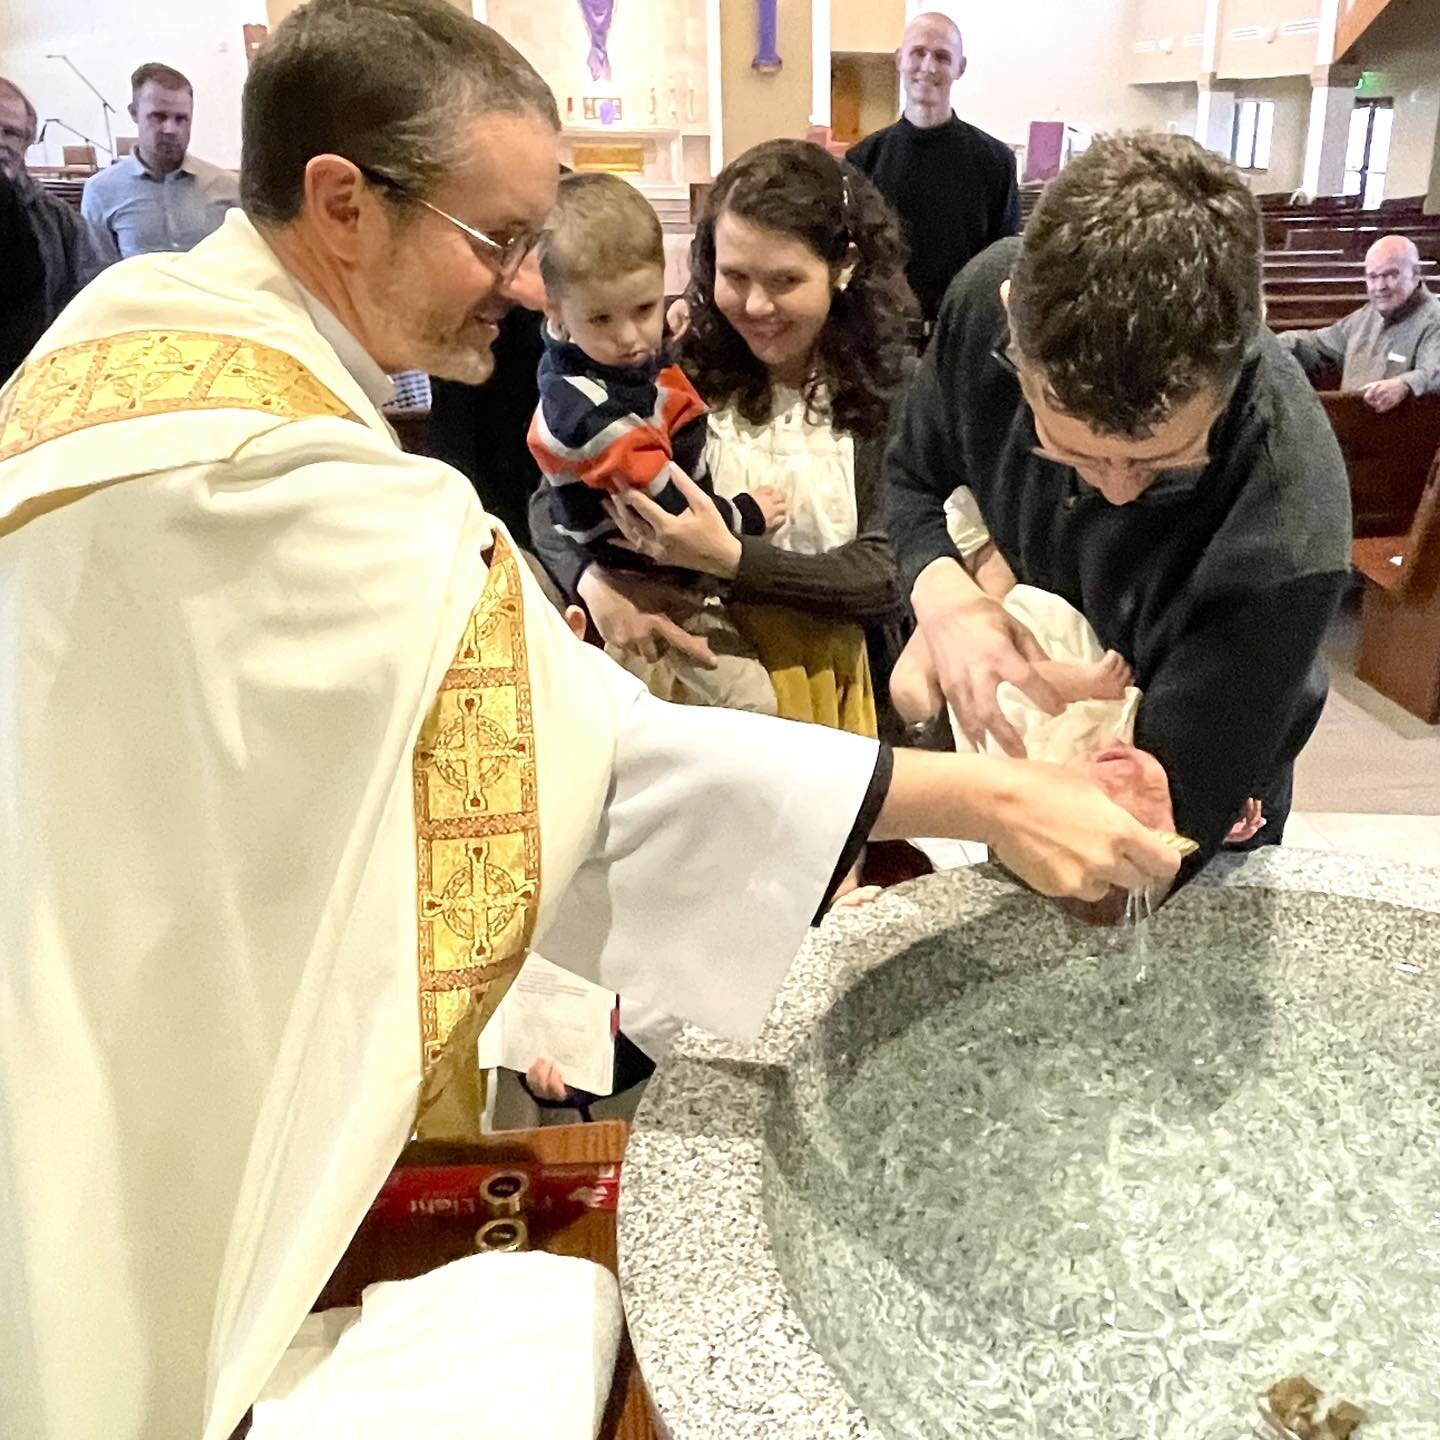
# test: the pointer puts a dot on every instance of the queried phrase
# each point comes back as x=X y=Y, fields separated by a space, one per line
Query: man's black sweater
x=1217 y=591
x=954 y=189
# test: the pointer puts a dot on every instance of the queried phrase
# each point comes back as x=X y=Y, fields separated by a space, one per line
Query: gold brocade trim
x=154 y=372
x=477 y=830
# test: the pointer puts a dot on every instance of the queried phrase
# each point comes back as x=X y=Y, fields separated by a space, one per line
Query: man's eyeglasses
x=505 y=256
x=1163 y=478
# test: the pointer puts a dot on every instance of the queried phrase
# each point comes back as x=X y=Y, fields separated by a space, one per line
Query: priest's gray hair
x=392 y=85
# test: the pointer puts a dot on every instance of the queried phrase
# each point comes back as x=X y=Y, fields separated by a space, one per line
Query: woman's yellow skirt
x=819 y=668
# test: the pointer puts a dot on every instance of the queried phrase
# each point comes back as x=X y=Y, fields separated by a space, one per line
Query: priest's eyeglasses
x=504 y=256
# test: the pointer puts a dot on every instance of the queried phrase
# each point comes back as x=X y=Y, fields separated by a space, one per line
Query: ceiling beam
x=1356 y=21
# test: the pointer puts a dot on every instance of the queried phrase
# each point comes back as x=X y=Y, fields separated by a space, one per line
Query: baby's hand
x=772 y=506
x=914 y=690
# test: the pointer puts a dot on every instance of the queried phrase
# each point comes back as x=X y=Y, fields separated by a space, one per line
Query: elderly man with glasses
x=1389 y=349
x=299 y=759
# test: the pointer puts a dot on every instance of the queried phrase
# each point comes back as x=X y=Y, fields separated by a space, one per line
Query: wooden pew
x=399 y=1250
x=1387 y=457
x=1400 y=613
x=1308 y=312
x=1283 y=265
x=1321 y=283
x=1356 y=241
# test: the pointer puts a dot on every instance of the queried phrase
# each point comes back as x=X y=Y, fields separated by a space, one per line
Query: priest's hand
x=637 y=617
x=1055 y=829
x=695 y=539
x=973 y=644
x=1063 y=836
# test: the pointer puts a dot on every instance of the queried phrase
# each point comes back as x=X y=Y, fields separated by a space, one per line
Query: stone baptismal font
x=989 y=1173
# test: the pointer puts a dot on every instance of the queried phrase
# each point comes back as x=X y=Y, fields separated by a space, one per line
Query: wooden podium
x=384 y=1249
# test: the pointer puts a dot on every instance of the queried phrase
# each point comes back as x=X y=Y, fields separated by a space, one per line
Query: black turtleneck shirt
x=1217 y=587
x=954 y=189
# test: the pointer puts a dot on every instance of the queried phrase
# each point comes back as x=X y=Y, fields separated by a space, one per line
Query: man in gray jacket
x=1390 y=348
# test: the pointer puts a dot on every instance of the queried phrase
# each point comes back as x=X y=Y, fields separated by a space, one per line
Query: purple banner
x=598 y=14
x=767 y=57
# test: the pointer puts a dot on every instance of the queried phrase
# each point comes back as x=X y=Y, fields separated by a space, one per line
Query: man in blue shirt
x=160 y=197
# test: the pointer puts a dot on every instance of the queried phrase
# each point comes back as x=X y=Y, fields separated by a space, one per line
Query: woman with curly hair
x=797 y=341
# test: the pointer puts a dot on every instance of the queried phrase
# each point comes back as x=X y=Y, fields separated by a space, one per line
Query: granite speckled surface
x=724 y=1352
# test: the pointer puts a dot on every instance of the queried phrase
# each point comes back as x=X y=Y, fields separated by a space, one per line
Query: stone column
x=1215 y=116
x=1332 y=101
x=1432 y=203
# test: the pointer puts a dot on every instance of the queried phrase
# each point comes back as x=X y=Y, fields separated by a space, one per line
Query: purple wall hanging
x=767 y=57
x=598 y=14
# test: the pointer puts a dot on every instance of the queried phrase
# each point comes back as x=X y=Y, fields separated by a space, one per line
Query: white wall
x=1055 y=60
x=1292 y=124
x=107 y=39
x=1404 y=52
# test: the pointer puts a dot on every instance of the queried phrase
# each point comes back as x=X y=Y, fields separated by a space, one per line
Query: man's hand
x=1385 y=395
x=772 y=506
x=974 y=645
x=1133 y=779
x=629 y=615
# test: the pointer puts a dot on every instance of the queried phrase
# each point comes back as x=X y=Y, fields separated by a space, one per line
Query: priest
x=298 y=762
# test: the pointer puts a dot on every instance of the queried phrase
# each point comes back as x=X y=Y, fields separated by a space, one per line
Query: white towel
x=492 y=1347
x=1084 y=727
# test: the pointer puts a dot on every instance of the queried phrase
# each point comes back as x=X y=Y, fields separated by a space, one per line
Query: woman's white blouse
x=809 y=464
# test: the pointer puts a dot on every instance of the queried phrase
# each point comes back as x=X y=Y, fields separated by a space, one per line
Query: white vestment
x=220 y=632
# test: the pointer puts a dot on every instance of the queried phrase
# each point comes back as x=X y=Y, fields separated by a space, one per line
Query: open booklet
x=550 y=1014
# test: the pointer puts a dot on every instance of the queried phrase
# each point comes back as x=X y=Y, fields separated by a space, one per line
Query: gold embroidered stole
x=154 y=372
x=477 y=833
x=476 y=815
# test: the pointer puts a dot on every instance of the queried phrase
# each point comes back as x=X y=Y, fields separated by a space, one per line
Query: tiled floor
x=1367 y=755
x=1411 y=838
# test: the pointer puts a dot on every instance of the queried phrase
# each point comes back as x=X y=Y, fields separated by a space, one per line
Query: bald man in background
x=952 y=184
x=1390 y=348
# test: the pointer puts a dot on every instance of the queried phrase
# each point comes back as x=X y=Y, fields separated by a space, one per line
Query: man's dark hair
x=1139 y=281
x=861 y=356
x=165 y=76
x=389 y=84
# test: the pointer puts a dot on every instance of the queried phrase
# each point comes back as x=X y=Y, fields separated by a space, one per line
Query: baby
x=613 y=416
x=1094 y=730
x=1079 y=677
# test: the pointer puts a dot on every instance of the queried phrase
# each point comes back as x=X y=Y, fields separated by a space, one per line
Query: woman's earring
x=843 y=283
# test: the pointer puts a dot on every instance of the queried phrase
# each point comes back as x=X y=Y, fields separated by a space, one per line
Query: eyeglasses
x=504 y=256
x=1177 y=473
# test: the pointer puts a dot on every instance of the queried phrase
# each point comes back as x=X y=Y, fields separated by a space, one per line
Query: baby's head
x=602 y=258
